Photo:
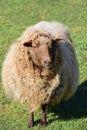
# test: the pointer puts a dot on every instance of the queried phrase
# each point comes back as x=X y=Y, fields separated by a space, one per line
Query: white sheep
x=41 y=67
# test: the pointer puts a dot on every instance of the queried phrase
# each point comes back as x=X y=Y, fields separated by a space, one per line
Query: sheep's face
x=41 y=49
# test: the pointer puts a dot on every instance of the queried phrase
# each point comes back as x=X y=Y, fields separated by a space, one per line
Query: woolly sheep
x=41 y=67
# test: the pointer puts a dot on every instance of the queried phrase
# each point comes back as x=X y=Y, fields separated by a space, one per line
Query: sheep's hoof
x=43 y=123
x=30 y=124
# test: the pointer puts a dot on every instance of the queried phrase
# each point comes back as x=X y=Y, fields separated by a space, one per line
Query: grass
x=15 y=16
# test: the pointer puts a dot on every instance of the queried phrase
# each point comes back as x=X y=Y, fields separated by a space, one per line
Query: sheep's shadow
x=76 y=107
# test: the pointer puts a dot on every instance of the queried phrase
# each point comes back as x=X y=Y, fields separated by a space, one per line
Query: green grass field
x=15 y=16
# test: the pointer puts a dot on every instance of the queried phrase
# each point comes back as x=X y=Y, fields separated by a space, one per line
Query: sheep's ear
x=28 y=44
x=57 y=39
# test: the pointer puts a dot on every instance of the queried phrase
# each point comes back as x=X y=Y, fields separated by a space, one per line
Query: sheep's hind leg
x=43 y=121
x=31 y=120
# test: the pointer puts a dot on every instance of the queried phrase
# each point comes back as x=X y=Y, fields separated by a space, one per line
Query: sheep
x=41 y=68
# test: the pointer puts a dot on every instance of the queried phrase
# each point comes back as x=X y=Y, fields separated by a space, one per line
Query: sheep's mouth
x=43 y=66
x=44 y=69
x=47 y=67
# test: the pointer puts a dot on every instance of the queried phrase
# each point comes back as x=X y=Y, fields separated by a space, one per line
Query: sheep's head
x=42 y=48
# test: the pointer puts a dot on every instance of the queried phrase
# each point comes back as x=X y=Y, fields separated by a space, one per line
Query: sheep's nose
x=47 y=64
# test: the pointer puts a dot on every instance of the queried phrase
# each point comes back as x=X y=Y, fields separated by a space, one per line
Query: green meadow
x=15 y=16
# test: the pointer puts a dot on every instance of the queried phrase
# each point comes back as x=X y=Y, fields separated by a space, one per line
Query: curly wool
x=28 y=83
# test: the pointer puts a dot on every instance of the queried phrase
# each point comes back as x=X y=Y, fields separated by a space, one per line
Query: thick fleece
x=26 y=74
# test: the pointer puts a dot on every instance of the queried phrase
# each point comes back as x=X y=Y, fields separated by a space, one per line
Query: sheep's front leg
x=31 y=120
x=43 y=121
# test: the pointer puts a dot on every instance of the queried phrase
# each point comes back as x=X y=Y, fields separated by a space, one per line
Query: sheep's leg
x=31 y=120
x=43 y=121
